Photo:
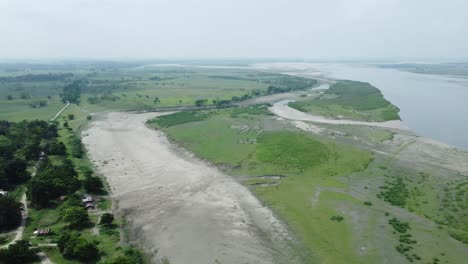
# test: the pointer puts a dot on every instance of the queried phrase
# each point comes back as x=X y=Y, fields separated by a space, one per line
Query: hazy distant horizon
x=226 y=29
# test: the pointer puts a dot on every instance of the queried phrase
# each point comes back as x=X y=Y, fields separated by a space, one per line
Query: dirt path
x=282 y=109
x=178 y=205
x=60 y=111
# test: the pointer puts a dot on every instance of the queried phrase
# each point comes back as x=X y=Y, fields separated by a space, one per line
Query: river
x=432 y=106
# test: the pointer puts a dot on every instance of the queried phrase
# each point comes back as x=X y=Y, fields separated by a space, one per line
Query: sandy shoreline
x=178 y=205
x=282 y=109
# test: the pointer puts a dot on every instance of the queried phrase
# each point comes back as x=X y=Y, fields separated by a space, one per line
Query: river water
x=432 y=106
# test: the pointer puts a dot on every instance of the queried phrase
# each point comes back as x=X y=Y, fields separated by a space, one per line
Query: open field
x=125 y=88
x=349 y=100
x=309 y=178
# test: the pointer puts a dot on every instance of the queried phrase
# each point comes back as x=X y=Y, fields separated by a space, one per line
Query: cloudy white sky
x=233 y=28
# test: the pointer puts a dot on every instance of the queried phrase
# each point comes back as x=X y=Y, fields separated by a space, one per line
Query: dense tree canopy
x=19 y=253
x=72 y=246
x=10 y=213
x=72 y=92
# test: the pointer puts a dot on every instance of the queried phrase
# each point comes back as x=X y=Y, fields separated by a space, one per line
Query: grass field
x=351 y=100
x=309 y=180
x=125 y=88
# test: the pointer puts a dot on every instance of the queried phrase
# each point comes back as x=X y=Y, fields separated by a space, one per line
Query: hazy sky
x=233 y=28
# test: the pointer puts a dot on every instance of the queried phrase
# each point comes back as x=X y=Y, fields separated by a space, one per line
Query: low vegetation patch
x=350 y=99
x=294 y=151
x=395 y=193
x=180 y=118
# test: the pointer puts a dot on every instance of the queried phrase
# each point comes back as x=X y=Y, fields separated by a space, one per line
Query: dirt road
x=178 y=205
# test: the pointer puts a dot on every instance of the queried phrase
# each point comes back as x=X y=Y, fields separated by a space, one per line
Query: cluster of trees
x=19 y=253
x=104 y=97
x=37 y=77
x=38 y=104
x=51 y=182
x=10 y=213
x=21 y=143
x=200 y=102
x=73 y=246
x=72 y=92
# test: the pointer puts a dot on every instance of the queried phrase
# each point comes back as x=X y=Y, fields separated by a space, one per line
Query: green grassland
x=310 y=180
x=129 y=88
x=351 y=100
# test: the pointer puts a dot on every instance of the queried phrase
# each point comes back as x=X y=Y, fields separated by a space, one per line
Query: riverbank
x=177 y=205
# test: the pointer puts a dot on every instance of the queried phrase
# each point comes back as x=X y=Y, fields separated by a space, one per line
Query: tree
x=56 y=148
x=19 y=253
x=200 y=102
x=15 y=171
x=72 y=92
x=106 y=219
x=72 y=246
x=76 y=217
x=94 y=185
x=51 y=182
x=10 y=212
x=9 y=97
x=156 y=100
x=71 y=116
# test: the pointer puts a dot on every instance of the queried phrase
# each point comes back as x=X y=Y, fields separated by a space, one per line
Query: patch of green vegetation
x=454 y=209
x=337 y=218
x=180 y=118
x=252 y=110
x=350 y=99
x=396 y=193
x=304 y=159
x=291 y=151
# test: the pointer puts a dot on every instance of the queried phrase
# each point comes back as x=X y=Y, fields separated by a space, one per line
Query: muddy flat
x=177 y=205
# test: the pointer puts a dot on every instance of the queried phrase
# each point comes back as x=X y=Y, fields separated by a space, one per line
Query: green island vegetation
x=350 y=100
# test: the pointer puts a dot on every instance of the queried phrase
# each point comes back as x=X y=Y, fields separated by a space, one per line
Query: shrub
x=337 y=218
x=106 y=219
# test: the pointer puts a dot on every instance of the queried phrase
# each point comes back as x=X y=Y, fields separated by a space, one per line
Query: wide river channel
x=431 y=105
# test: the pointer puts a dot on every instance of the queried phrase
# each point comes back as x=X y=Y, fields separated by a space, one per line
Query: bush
x=337 y=218
x=399 y=226
x=396 y=194
x=131 y=256
x=106 y=219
